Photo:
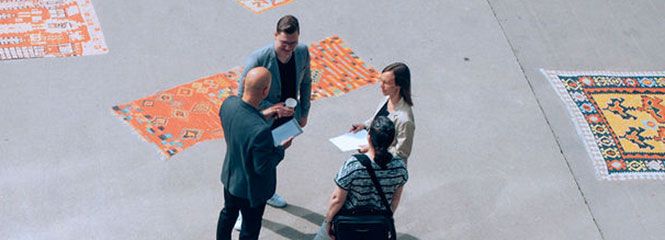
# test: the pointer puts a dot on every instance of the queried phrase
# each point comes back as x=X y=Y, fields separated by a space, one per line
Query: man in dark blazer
x=249 y=170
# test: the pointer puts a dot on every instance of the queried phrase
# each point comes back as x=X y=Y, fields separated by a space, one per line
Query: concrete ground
x=495 y=156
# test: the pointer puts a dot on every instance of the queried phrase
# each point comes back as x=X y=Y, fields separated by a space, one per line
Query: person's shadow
x=289 y=232
x=310 y=216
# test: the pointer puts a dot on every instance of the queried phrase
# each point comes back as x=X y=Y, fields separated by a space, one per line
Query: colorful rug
x=49 y=28
x=621 y=119
x=260 y=6
x=177 y=118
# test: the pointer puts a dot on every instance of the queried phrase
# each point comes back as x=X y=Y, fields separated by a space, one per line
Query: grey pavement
x=495 y=154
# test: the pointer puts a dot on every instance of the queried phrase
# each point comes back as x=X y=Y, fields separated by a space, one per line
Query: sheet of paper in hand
x=350 y=141
x=285 y=131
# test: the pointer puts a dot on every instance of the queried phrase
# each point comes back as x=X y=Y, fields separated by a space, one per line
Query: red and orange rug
x=260 y=6
x=180 y=117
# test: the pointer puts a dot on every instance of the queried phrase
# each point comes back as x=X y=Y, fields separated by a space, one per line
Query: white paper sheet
x=350 y=141
x=285 y=131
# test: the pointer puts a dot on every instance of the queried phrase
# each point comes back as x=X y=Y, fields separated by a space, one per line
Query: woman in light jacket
x=396 y=86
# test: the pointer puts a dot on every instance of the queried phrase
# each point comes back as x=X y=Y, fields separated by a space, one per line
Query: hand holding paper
x=357 y=127
x=351 y=140
x=287 y=143
x=285 y=131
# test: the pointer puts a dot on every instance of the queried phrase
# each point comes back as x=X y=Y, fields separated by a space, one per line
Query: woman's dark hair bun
x=381 y=134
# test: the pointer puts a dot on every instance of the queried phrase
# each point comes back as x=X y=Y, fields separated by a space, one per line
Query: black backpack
x=363 y=223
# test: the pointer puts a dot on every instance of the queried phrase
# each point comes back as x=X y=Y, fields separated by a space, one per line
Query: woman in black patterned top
x=354 y=186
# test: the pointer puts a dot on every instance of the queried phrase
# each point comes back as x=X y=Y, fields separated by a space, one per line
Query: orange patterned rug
x=49 y=28
x=177 y=118
x=260 y=6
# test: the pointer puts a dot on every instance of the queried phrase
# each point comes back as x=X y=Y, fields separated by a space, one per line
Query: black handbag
x=365 y=223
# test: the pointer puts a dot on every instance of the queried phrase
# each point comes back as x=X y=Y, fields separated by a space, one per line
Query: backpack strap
x=364 y=160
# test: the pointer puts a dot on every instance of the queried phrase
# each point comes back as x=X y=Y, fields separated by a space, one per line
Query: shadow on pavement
x=304 y=213
x=289 y=232
x=286 y=231
x=406 y=236
x=312 y=217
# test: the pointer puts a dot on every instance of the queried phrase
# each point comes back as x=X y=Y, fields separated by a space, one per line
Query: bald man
x=249 y=170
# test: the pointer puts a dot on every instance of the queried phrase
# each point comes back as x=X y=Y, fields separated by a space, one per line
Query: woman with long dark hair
x=396 y=86
x=355 y=189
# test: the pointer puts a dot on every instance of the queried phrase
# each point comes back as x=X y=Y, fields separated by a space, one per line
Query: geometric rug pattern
x=180 y=117
x=49 y=28
x=620 y=117
x=260 y=6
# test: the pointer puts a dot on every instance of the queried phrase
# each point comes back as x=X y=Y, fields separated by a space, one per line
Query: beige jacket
x=405 y=127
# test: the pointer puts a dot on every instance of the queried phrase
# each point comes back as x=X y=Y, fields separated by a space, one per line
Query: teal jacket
x=250 y=164
x=266 y=57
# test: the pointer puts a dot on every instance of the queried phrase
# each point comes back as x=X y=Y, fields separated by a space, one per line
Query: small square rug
x=620 y=117
x=260 y=6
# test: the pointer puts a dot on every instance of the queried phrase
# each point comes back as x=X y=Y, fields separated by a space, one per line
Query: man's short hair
x=288 y=24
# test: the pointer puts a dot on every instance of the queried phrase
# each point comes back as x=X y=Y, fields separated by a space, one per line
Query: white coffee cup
x=290 y=103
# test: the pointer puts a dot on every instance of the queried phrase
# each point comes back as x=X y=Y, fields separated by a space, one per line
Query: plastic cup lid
x=290 y=102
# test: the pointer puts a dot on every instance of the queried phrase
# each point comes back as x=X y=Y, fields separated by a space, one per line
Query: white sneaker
x=238 y=224
x=277 y=201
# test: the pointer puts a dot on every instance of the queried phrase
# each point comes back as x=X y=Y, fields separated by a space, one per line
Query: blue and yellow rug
x=621 y=118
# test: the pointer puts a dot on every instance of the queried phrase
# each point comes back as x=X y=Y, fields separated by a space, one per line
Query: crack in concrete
x=556 y=138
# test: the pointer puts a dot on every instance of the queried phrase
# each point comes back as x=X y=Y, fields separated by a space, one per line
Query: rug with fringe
x=178 y=118
x=620 y=117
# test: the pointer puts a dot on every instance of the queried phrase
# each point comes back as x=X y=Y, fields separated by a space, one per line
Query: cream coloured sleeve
x=404 y=138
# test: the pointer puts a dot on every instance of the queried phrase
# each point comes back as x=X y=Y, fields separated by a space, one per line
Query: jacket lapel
x=298 y=55
x=274 y=68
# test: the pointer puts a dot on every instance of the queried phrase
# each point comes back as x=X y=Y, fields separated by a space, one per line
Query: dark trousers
x=251 y=218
